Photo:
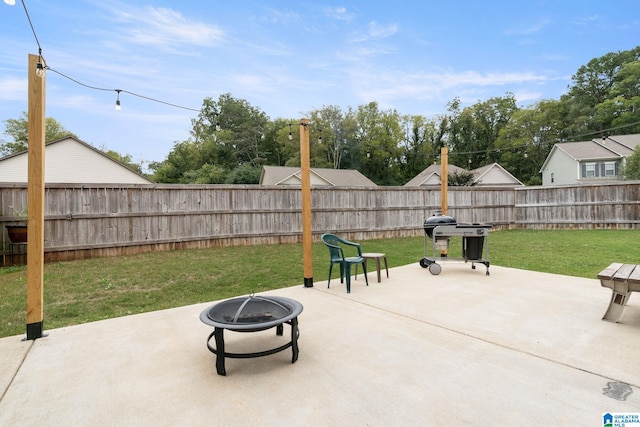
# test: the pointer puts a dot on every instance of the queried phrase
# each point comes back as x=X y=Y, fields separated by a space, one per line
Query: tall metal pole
x=305 y=172
x=35 y=201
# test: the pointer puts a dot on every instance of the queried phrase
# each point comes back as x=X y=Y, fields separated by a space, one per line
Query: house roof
x=610 y=148
x=286 y=175
x=587 y=150
x=489 y=174
x=71 y=160
x=431 y=175
x=492 y=174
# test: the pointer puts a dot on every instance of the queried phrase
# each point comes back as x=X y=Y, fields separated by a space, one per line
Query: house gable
x=69 y=160
x=285 y=175
x=492 y=174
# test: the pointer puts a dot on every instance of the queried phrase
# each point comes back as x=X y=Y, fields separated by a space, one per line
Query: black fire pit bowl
x=252 y=313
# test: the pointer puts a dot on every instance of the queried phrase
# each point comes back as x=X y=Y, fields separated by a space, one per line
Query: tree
x=419 y=145
x=378 y=136
x=227 y=134
x=462 y=178
x=525 y=141
x=18 y=130
x=125 y=159
x=601 y=80
x=474 y=130
x=631 y=168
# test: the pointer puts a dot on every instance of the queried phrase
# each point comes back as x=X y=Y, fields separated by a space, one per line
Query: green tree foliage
x=592 y=99
x=526 y=140
x=390 y=148
x=632 y=166
x=462 y=178
x=474 y=129
x=18 y=131
x=125 y=159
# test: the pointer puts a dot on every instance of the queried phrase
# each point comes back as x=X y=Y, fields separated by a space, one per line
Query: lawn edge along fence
x=95 y=220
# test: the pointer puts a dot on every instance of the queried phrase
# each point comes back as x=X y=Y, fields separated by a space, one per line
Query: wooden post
x=444 y=179
x=305 y=172
x=35 y=201
x=444 y=186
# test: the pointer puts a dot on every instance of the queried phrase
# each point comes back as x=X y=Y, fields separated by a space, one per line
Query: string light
x=40 y=69
x=118 y=107
x=290 y=134
x=10 y=2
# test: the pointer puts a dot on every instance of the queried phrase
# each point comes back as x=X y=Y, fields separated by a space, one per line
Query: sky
x=288 y=58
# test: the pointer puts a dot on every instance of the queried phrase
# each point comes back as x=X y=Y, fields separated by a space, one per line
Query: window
x=590 y=170
x=609 y=168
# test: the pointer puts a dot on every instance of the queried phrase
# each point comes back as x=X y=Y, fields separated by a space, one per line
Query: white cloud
x=378 y=31
x=530 y=28
x=164 y=28
x=13 y=89
x=339 y=13
x=393 y=85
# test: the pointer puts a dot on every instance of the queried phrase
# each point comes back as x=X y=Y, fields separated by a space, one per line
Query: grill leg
x=294 y=339
x=218 y=333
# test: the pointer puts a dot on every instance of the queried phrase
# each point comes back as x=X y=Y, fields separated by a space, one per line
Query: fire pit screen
x=251 y=314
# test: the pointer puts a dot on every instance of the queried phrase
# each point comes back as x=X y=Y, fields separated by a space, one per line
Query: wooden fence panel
x=99 y=220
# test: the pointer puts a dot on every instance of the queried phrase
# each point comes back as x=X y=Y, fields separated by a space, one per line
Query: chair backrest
x=337 y=246
x=333 y=243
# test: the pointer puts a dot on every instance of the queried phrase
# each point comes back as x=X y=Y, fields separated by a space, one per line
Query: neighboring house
x=600 y=159
x=69 y=160
x=284 y=175
x=489 y=175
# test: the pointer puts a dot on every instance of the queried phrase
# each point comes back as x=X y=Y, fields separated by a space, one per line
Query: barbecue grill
x=440 y=228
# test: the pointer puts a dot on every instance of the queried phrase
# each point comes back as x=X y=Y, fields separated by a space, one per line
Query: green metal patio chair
x=337 y=249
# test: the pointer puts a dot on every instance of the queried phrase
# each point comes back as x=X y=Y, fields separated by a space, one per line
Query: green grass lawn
x=88 y=290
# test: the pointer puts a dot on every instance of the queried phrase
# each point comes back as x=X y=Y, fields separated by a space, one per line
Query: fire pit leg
x=294 y=339
x=219 y=335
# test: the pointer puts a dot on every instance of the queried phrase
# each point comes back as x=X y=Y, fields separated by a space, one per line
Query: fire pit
x=251 y=314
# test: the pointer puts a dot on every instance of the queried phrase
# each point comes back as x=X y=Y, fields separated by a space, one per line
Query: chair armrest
x=354 y=244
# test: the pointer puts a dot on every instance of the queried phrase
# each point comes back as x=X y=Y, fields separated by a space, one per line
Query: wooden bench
x=622 y=279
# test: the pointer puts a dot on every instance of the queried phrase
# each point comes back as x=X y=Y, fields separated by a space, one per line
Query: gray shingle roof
x=274 y=175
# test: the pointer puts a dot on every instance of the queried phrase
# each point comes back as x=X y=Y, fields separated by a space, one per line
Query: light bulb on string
x=10 y=2
x=40 y=69
x=118 y=107
x=290 y=134
x=217 y=122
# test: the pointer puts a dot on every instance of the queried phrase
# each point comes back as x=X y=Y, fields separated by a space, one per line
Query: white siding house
x=69 y=160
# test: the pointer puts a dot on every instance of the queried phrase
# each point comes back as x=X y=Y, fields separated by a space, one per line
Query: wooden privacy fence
x=84 y=221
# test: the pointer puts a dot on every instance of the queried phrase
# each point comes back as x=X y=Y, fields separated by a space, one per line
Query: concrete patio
x=458 y=349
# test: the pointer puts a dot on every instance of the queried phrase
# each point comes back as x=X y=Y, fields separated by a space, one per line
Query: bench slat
x=608 y=272
x=634 y=277
x=624 y=272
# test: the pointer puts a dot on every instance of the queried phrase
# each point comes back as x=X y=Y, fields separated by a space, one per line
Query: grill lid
x=436 y=220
